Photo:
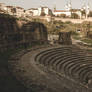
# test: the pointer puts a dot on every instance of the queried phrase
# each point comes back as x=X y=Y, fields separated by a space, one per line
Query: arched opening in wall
x=37 y=35
x=43 y=32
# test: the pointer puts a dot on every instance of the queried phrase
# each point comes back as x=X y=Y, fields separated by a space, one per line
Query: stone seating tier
x=69 y=61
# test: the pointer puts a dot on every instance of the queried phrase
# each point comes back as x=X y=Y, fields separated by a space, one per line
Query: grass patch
x=76 y=37
x=86 y=40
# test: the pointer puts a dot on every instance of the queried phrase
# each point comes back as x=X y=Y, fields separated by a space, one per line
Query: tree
x=74 y=16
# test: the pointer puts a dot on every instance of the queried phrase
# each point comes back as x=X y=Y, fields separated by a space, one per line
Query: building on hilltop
x=65 y=12
x=41 y=11
x=15 y=10
x=19 y=12
x=77 y=12
x=69 y=11
x=61 y=12
x=46 y=10
x=11 y=10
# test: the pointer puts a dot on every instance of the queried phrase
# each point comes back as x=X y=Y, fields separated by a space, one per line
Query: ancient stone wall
x=65 y=38
x=35 y=31
x=15 y=33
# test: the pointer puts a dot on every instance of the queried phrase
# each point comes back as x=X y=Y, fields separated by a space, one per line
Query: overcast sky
x=50 y=3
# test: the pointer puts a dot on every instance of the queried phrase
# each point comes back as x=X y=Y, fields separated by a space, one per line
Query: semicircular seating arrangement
x=69 y=61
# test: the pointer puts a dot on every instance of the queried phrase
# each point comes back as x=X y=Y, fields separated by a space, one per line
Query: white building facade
x=61 y=12
x=69 y=11
x=38 y=11
x=66 y=12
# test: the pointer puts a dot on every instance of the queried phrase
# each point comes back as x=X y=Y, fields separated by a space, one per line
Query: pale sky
x=49 y=3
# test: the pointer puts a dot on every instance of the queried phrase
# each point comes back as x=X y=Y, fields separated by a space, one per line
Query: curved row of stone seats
x=76 y=70
x=49 y=56
x=49 y=59
x=73 y=61
x=63 y=57
x=72 y=67
x=50 y=51
x=70 y=61
x=71 y=74
x=66 y=59
x=45 y=56
x=41 y=53
x=84 y=71
x=69 y=66
x=64 y=65
x=56 y=58
x=47 y=53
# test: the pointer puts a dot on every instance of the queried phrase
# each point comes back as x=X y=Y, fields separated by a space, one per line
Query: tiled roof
x=60 y=11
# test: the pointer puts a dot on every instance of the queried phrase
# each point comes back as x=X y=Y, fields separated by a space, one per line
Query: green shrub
x=74 y=33
x=74 y=16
